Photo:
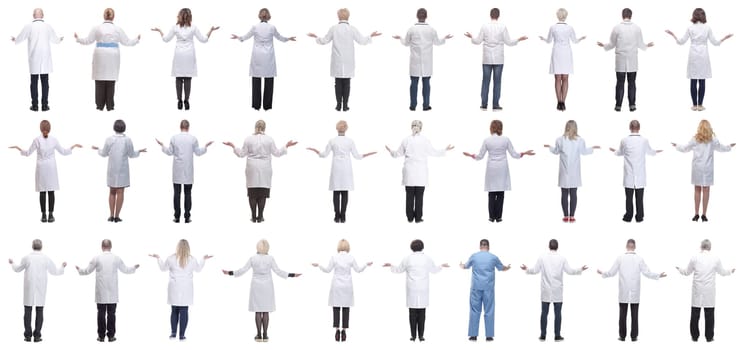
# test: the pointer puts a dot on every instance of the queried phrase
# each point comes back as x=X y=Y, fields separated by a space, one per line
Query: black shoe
x=632 y=108
x=187 y=220
x=36 y=340
x=421 y=339
x=696 y=217
x=260 y=219
x=109 y=109
x=50 y=219
x=473 y=338
x=346 y=108
x=180 y=105
x=499 y=220
x=639 y=219
x=172 y=336
x=563 y=106
x=489 y=338
x=44 y=108
x=176 y=220
x=621 y=339
x=34 y=108
x=413 y=339
x=99 y=108
x=617 y=108
x=112 y=339
x=338 y=335
x=491 y=219
x=542 y=338
x=343 y=219
x=709 y=340
x=338 y=106
x=343 y=335
x=43 y=217
x=410 y=221
x=633 y=339
x=419 y=221
x=704 y=218
x=111 y=219
x=558 y=338
x=186 y=105
x=694 y=339
x=626 y=219
x=117 y=219
x=265 y=337
x=412 y=108
x=27 y=339
x=497 y=108
x=427 y=108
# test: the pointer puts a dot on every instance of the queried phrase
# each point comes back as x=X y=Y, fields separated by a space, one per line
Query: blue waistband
x=107 y=44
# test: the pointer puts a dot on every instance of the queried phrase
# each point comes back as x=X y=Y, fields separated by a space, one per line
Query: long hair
x=183 y=252
x=705 y=132
x=572 y=130
x=184 y=17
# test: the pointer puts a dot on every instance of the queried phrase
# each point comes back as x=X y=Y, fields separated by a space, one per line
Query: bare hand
x=297 y=275
x=10 y=261
x=383 y=265
x=582 y=38
x=528 y=153
x=136 y=266
x=584 y=268
x=467 y=34
x=397 y=37
x=291 y=143
x=375 y=33
x=368 y=154
x=95 y=148
x=506 y=268
x=733 y=270
x=156 y=256
x=230 y=144
x=12 y=38
x=144 y=150
x=448 y=36
x=733 y=144
x=225 y=272
x=450 y=147
x=207 y=256
x=77 y=145
x=445 y=265
x=727 y=37
x=462 y=266
x=466 y=154
x=233 y=36
x=659 y=150
x=596 y=147
x=600 y=44
x=541 y=38
x=674 y=144
x=64 y=264
x=651 y=44
x=599 y=272
x=214 y=28
x=387 y=148
x=670 y=33
x=16 y=147
x=76 y=36
x=292 y=38
x=523 y=267
x=612 y=149
x=522 y=38
x=159 y=143
x=312 y=35
x=77 y=267
x=139 y=36
x=315 y=264
x=208 y=144
x=369 y=263
x=313 y=149
x=157 y=30
x=662 y=275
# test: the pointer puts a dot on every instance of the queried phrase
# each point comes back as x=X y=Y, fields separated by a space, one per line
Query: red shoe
x=565 y=219
x=572 y=219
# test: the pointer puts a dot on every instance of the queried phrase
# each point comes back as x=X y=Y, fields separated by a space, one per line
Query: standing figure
x=47 y=180
x=341 y=297
x=634 y=148
x=421 y=38
x=107 y=267
x=183 y=147
x=698 y=61
x=482 y=284
x=36 y=266
x=181 y=267
x=118 y=148
x=703 y=146
x=630 y=266
x=704 y=268
x=570 y=147
x=107 y=37
x=417 y=149
x=561 y=60
x=342 y=177
x=626 y=39
x=263 y=60
x=184 y=59
x=258 y=150
x=417 y=267
x=552 y=266
x=498 y=180
x=261 y=299
x=343 y=36
x=39 y=34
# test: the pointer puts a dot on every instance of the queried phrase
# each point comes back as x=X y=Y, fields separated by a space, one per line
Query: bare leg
x=698 y=189
x=706 y=197
x=558 y=87
x=564 y=87
x=112 y=201
x=119 y=201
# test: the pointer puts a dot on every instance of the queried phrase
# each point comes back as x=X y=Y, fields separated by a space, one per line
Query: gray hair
x=416 y=126
x=36 y=244
x=260 y=127
x=561 y=14
x=705 y=244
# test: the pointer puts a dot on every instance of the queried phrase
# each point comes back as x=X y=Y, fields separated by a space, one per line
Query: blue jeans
x=488 y=70
x=557 y=307
x=414 y=91
x=179 y=320
x=481 y=300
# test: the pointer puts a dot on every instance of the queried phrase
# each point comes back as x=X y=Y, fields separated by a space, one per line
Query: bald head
x=38 y=13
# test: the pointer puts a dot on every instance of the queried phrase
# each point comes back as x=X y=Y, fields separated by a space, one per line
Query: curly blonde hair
x=705 y=132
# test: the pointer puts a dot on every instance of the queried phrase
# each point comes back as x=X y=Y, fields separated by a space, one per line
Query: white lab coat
x=106 y=59
x=698 y=61
x=180 y=279
x=183 y=147
x=493 y=35
x=561 y=60
x=702 y=159
x=107 y=267
x=342 y=289
x=343 y=36
x=261 y=298
x=39 y=34
x=704 y=267
x=497 y=166
x=184 y=58
x=258 y=149
x=118 y=149
x=263 y=59
x=417 y=267
x=36 y=266
x=421 y=38
x=569 y=164
x=630 y=266
x=46 y=165
x=552 y=266
x=634 y=148
x=416 y=149
x=342 y=177
x=626 y=39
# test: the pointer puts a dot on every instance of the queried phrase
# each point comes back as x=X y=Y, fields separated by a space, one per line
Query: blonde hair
x=260 y=127
x=343 y=14
x=416 y=126
x=572 y=130
x=108 y=14
x=264 y=15
x=183 y=252
x=343 y=246
x=705 y=132
x=561 y=14
x=262 y=247
x=342 y=126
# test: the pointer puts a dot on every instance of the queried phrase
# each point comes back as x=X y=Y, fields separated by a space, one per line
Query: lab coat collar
x=120 y=135
x=109 y=22
x=630 y=252
x=422 y=24
x=627 y=21
x=38 y=20
x=344 y=22
x=635 y=134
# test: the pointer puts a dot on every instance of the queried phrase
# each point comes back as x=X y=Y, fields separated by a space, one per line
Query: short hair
x=36 y=244
x=705 y=244
x=485 y=243
x=342 y=126
x=698 y=15
x=262 y=247
x=106 y=244
x=497 y=127
x=561 y=14
x=343 y=246
x=38 y=13
x=416 y=126
x=631 y=241
x=627 y=13
x=260 y=126
x=417 y=245
x=343 y=14
x=264 y=15
x=108 y=14
x=421 y=14
x=495 y=13
x=553 y=244
x=184 y=17
x=119 y=126
x=635 y=125
x=45 y=126
x=185 y=124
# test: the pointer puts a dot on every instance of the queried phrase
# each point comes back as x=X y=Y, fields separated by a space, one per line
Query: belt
x=107 y=45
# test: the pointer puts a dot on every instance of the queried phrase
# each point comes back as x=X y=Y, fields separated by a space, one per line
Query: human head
x=698 y=15
x=185 y=125
x=705 y=245
x=45 y=128
x=416 y=126
x=183 y=252
x=119 y=126
x=484 y=244
x=572 y=130
x=106 y=245
x=495 y=13
x=497 y=127
x=264 y=15
x=108 y=14
x=635 y=126
x=184 y=17
x=417 y=245
x=262 y=247
x=341 y=127
x=627 y=13
x=38 y=13
x=260 y=126
x=561 y=14
x=343 y=246
x=630 y=246
x=421 y=14
x=553 y=244
x=343 y=14
x=704 y=132
x=36 y=245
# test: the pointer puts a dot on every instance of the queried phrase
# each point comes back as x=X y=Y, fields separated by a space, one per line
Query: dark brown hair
x=627 y=13
x=417 y=245
x=421 y=14
x=495 y=13
x=698 y=16
x=184 y=17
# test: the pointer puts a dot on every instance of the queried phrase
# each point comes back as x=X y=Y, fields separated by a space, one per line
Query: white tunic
x=630 y=266
x=493 y=35
x=497 y=166
x=342 y=290
x=417 y=267
x=569 y=164
x=39 y=35
x=107 y=267
x=561 y=60
x=552 y=266
x=106 y=59
x=421 y=38
x=704 y=267
x=258 y=149
x=342 y=177
x=180 y=279
x=36 y=266
x=184 y=58
x=702 y=159
x=416 y=149
x=46 y=165
x=634 y=148
x=118 y=149
x=343 y=36
x=626 y=39
x=263 y=59
x=183 y=147
x=261 y=298
x=698 y=61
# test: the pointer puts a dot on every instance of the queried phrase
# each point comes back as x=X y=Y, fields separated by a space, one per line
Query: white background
x=299 y=213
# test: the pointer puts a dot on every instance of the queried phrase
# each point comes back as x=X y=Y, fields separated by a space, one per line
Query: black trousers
x=569 y=206
x=414 y=203
x=106 y=320
x=183 y=88
x=495 y=205
x=105 y=94
x=417 y=320
x=27 y=333
x=35 y=89
x=557 y=307
x=43 y=197
x=620 y=88
x=179 y=319
x=186 y=200
x=697 y=91
x=623 y=322
x=629 y=192
x=340 y=201
x=343 y=88
x=268 y=93
x=695 y=318
x=338 y=313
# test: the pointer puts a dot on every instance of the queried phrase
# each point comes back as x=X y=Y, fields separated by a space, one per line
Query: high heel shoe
x=704 y=218
x=696 y=217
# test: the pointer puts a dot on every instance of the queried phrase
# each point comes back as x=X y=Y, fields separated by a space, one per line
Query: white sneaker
x=701 y=108
x=694 y=108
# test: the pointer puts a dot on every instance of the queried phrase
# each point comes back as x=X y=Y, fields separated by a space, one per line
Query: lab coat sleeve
x=243 y=270
x=438 y=40
x=436 y=152
x=88 y=269
x=649 y=151
x=482 y=152
x=434 y=268
x=359 y=38
x=278 y=152
x=199 y=36
x=535 y=269
x=639 y=40
x=690 y=268
x=557 y=148
x=131 y=152
x=53 y=38
x=684 y=38
x=356 y=266
x=241 y=152
x=329 y=268
x=54 y=270
x=549 y=38
x=400 y=151
x=512 y=151
x=279 y=272
x=571 y=271
x=279 y=36
x=163 y=265
x=124 y=39
x=613 y=40
x=104 y=152
x=712 y=38
x=403 y=267
x=23 y=35
x=325 y=152
x=171 y=34
x=406 y=39
x=31 y=149
x=91 y=38
x=720 y=147
x=687 y=147
x=478 y=39
x=248 y=35
x=168 y=150
x=355 y=152
x=646 y=272
x=508 y=40
x=583 y=149
x=200 y=265
x=62 y=150
x=572 y=36
x=124 y=268
x=20 y=267
x=613 y=270
x=198 y=150
x=327 y=38
x=720 y=270
x=620 y=150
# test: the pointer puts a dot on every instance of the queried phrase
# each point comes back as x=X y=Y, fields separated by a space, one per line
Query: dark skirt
x=259 y=192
